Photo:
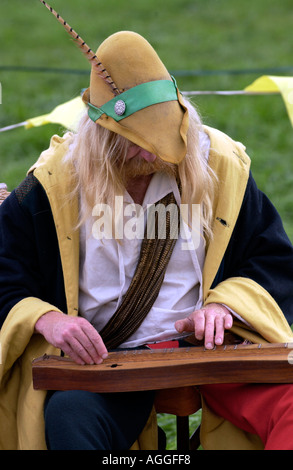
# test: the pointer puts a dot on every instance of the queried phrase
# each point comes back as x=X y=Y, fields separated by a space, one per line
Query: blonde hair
x=197 y=179
x=97 y=156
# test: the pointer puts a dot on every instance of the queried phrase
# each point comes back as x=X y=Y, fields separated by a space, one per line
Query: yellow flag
x=272 y=84
x=67 y=114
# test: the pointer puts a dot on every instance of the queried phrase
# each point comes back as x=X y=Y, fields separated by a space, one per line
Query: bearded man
x=64 y=289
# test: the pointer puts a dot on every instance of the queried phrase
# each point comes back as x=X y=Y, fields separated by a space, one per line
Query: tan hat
x=132 y=93
x=160 y=128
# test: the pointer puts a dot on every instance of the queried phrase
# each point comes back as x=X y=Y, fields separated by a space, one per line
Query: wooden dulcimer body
x=156 y=369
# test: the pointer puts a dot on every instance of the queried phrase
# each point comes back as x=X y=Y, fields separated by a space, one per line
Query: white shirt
x=107 y=267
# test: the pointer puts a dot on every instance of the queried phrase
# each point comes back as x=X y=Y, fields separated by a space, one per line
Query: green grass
x=189 y=35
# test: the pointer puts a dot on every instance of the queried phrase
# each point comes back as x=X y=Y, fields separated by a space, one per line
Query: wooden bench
x=181 y=402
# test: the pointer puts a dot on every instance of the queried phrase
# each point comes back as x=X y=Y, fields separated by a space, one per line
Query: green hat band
x=135 y=99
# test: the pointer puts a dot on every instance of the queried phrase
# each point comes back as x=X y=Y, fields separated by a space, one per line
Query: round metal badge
x=120 y=107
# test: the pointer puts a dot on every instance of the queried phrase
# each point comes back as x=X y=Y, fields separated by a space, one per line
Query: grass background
x=202 y=42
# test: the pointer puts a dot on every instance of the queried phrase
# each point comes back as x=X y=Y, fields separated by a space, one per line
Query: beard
x=137 y=167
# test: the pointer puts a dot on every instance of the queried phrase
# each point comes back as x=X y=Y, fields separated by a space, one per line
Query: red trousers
x=265 y=410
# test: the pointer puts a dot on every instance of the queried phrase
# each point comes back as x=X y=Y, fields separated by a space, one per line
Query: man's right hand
x=75 y=336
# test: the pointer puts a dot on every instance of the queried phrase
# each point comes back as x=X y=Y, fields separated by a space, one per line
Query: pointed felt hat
x=132 y=93
x=144 y=104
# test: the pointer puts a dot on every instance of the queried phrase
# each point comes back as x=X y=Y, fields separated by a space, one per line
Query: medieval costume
x=247 y=264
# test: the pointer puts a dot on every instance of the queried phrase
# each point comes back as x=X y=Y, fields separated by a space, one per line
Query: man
x=68 y=284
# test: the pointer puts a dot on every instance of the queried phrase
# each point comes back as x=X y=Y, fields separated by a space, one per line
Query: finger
x=70 y=338
x=209 y=331
x=89 y=344
x=228 y=321
x=186 y=324
x=222 y=323
x=82 y=338
x=94 y=344
x=199 y=324
x=70 y=352
x=219 y=329
x=80 y=351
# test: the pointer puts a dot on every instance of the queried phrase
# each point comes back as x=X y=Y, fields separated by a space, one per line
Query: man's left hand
x=208 y=323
